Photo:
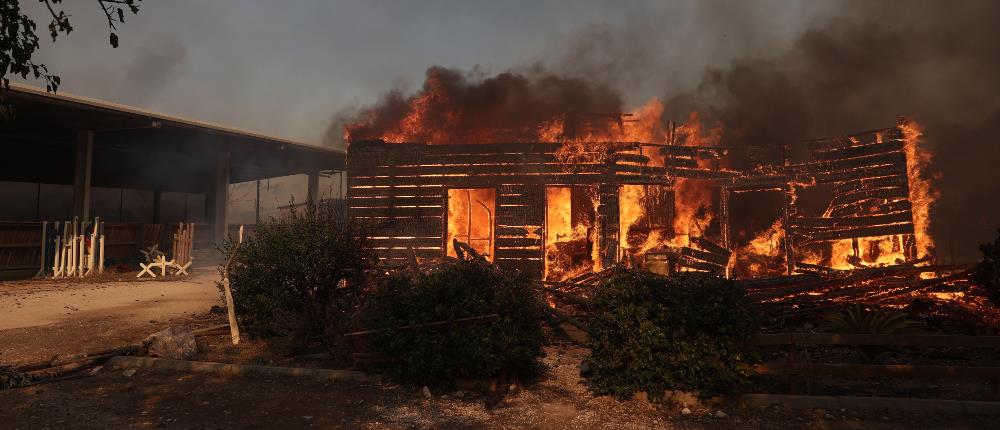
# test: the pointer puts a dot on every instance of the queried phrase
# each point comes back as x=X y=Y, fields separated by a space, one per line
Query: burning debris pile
x=547 y=175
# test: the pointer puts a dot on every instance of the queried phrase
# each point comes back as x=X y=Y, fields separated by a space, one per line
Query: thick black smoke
x=459 y=107
x=936 y=62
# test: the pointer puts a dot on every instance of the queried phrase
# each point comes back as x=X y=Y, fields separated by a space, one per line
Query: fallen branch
x=478 y=319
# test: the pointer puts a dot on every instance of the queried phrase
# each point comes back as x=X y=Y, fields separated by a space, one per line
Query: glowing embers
x=570 y=236
x=470 y=219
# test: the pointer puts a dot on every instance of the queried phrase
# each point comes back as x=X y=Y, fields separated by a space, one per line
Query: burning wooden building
x=565 y=207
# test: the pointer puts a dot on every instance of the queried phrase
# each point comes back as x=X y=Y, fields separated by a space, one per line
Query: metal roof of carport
x=136 y=148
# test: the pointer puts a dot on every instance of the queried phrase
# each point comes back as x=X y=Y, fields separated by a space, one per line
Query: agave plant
x=11 y=378
x=859 y=320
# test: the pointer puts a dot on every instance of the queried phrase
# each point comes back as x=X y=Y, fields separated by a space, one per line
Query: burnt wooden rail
x=859 y=371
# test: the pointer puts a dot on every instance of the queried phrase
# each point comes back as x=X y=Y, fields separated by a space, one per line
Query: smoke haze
x=767 y=71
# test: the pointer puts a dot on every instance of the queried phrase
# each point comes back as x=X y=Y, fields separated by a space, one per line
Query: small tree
x=18 y=40
x=302 y=276
x=688 y=332
x=439 y=355
x=988 y=270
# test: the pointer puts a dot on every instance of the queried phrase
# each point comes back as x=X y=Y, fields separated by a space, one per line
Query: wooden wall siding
x=519 y=225
x=20 y=246
x=870 y=185
x=401 y=189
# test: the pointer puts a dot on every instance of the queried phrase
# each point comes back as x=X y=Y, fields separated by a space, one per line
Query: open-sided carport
x=85 y=143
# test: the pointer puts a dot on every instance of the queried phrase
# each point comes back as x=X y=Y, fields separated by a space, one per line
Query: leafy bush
x=287 y=278
x=439 y=355
x=689 y=332
x=988 y=271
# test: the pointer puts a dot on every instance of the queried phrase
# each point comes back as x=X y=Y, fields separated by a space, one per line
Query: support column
x=157 y=197
x=220 y=198
x=312 y=189
x=82 y=173
x=256 y=205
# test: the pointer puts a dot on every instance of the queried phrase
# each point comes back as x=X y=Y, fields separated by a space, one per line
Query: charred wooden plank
x=702 y=173
x=511 y=242
x=506 y=230
x=403 y=172
x=884 y=230
x=865 y=172
x=404 y=253
x=380 y=242
x=508 y=253
x=387 y=191
x=396 y=211
x=701 y=265
x=706 y=256
x=481 y=181
x=870 y=183
x=819 y=167
x=711 y=246
x=404 y=200
x=870 y=220
x=865 y=208
x=858 y=151
x=878 y=193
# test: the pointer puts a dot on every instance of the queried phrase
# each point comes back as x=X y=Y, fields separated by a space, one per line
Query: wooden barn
x=499 y=197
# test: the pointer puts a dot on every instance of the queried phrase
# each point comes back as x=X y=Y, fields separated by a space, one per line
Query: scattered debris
x=174 y=343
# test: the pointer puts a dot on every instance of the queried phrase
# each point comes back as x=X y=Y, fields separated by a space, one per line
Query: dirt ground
x=164 y=399
x=43 y=318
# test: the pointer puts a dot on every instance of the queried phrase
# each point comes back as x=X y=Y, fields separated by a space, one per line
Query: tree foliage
x=509 y=346
x=302 y=276
x=19 y=41
x=689 y=332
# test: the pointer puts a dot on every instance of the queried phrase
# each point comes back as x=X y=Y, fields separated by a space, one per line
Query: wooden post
x=100 y=258
x=55 y=260
x=312 y=188
x=41 y=254
x=786 y=213
x=221 y=197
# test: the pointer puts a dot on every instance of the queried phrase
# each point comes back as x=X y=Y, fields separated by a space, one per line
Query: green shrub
x=286 y=278
x=509 y=346
x=687 y=332
x=988 y=270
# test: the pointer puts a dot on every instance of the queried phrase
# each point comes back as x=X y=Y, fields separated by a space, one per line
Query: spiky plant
x=12 y=378
x=859 y=320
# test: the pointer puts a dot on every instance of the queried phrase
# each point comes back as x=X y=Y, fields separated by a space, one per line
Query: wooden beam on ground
x=931 y=341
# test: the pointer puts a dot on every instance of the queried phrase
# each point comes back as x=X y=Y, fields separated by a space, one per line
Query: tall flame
x=922 y=193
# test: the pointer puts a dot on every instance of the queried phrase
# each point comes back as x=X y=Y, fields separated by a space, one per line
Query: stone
x=460 y=394
x=174 y=343
x=128 y=373
x=426 y=391
x=720 y=414
x=685 y=411
x=585 y=370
